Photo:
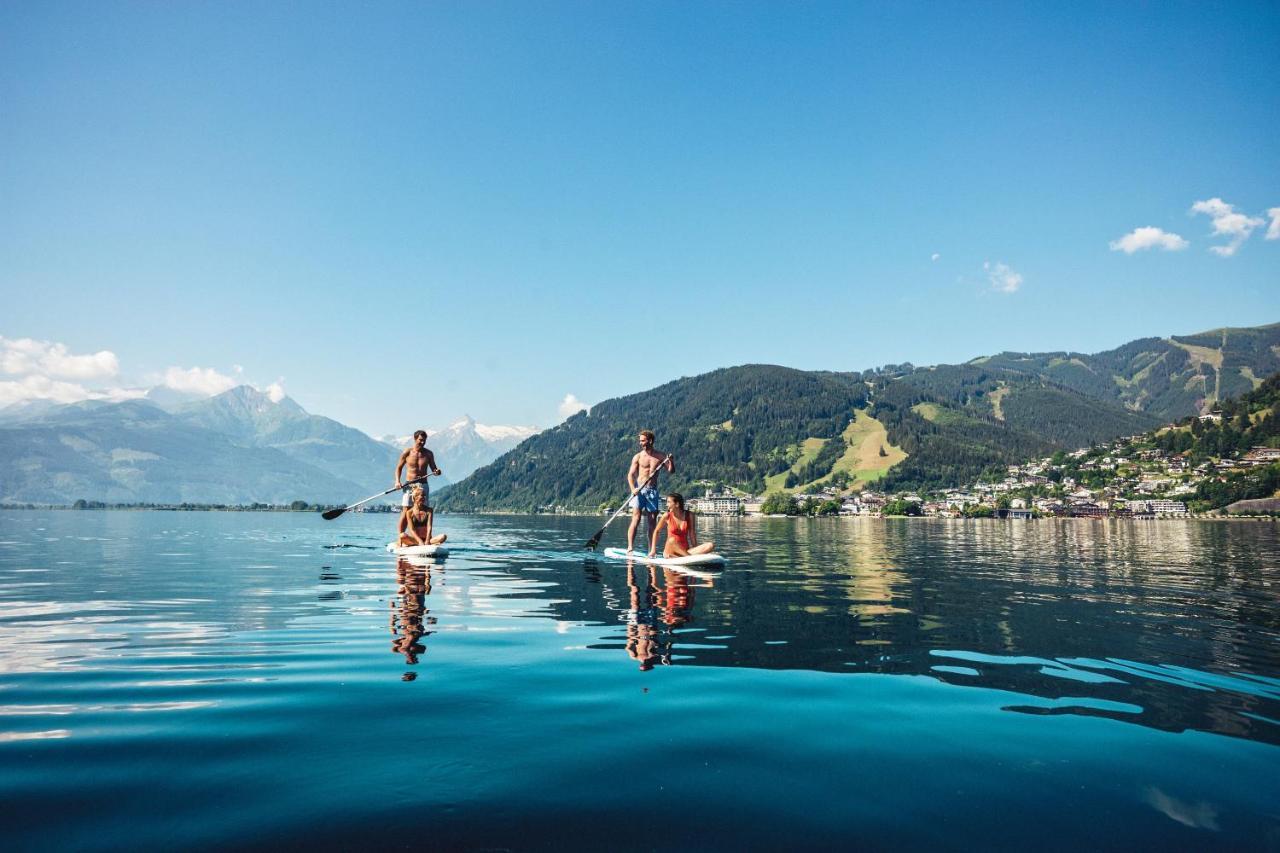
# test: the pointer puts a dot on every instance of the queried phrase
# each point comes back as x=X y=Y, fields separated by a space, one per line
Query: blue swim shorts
x=646 y=500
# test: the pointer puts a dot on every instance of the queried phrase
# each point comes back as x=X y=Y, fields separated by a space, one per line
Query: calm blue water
x=265 y=680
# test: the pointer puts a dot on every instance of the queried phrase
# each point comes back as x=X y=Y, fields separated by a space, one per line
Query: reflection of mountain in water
x=1162 y=625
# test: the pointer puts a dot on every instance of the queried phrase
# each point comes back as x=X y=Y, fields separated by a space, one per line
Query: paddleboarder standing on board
x=417 y=461
x=642 y=479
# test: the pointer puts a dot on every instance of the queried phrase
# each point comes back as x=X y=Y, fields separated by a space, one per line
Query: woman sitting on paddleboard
x=682 y=532
x=416 y=520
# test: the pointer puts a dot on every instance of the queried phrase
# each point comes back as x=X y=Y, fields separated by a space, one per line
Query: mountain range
x=465 y=445
x=240 y=446
x=762 y=427
x=753 y=427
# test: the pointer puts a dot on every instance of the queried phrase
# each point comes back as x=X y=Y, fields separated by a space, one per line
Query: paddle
x=595 y=540
x=331 y=514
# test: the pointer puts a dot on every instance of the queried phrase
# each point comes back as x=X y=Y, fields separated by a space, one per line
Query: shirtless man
x=419 y=461
x=644 y=492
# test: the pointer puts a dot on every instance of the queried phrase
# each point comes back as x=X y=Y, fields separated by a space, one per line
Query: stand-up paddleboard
x=417 y=550
x=693 y=560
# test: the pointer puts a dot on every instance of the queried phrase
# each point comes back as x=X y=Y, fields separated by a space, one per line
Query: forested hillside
x=734 y=426
x=1168 y=378
x=957 y=422
x=756 y=427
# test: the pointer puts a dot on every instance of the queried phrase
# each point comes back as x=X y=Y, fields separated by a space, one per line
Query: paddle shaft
x=329 y=517
x=595 y=540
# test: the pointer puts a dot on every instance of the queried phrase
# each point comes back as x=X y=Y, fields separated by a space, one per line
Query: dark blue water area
x=260 y=680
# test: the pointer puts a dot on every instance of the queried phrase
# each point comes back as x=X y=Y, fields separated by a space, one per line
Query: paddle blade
x=594 y=540
x=331 y=514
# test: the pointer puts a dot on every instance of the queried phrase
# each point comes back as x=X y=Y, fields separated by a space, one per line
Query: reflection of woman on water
x=682 y=531
x=675 y=599
x=409 y=619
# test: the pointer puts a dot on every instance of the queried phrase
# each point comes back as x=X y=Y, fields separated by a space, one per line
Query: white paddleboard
x=643 y=557
x=417 y=550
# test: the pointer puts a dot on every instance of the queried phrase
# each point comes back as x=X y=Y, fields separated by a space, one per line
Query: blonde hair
x=415 y=493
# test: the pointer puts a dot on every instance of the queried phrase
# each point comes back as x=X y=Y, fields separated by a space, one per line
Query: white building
x=1160 y=507
x=725 y=503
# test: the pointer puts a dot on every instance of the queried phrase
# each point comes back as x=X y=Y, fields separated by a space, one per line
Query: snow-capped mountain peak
x=465 y=445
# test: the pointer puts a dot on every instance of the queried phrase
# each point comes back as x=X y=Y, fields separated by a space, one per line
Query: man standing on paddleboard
x=642 y=479
x=416 y=461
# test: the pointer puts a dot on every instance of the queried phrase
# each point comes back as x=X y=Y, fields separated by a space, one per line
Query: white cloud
x=1227 y=222
x=571 y=405
x=934 y=256
x=59 y=391
x=1148 y=237
x=23 y=356
x=1273 y=230
x=198 y=380
x=1002 y=277
x=275 y=391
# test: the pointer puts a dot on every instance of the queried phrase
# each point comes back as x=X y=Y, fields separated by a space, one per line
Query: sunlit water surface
x=261 y=680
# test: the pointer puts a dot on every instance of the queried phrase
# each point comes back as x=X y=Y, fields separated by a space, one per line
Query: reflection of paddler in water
x=416 y=521
x=682 y=531
x=409 y=615
x=656 y=610
x=642 y=618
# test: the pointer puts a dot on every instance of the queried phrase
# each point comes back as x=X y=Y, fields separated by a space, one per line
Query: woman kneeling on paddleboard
x=682 y=532
x=416 y=520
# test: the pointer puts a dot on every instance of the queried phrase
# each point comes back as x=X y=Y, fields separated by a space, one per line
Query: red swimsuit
x=678 y=530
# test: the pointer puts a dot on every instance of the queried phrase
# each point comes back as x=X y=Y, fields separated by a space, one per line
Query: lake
x=259 y=680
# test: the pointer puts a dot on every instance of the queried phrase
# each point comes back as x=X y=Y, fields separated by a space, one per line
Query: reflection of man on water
x=409 y=615
x=642 y=618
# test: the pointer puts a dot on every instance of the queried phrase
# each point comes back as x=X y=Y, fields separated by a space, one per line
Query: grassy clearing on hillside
x=1201 y=355
x=862 y=460
x=995 y=397
x=809 y=449
x=934 y=413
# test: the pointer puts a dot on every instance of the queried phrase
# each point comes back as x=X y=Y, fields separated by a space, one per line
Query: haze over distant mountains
x=752 y=427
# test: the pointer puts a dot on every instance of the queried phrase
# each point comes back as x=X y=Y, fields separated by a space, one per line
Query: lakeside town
x=1130 y=477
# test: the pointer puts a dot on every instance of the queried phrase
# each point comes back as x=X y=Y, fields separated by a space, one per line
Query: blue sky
x=407 y=212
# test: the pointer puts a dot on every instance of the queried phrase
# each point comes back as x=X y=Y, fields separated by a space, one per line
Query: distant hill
x=465 y=445
x=135 y=452
x=761 y=427
x=240 y=446
x=1167 y=378
x=252 y=418
x=955 y=422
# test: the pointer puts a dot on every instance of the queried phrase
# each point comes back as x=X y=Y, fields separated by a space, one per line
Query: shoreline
x=515 y=513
